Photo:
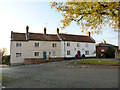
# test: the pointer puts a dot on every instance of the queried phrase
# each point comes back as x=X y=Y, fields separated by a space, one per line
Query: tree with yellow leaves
x=89 y=15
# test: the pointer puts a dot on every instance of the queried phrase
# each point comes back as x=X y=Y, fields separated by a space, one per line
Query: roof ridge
x=72 y=34
x=52 y=34
x=54 y=37
x=18 y=33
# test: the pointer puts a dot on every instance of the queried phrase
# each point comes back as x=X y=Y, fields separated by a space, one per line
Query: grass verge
x=103 y=62
x=7 y=80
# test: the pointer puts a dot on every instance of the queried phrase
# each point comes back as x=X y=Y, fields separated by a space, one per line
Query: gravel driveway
x=61 y=75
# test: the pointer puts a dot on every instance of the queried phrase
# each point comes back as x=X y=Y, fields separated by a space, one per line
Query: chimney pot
x=104 y=42
x=44 y=30
x=88 y=34
x=11 y=35
x=27 y=29
x=27 y=33
x=57 y=30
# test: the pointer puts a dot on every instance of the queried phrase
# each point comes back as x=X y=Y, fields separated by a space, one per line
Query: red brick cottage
x=102 y=47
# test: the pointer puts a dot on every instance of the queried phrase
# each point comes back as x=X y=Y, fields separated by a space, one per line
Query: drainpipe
x=64 y=50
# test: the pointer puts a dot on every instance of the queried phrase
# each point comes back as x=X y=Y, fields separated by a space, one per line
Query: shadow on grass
x=8 y=80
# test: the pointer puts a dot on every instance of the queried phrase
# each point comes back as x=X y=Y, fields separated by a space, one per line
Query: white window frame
x=102 y=50
x=18 y=44
x=78 y=44
x=54 y=45
x=68 y=44
x=18 y=55
x=49 y=53
x=36 y=54
x=37 y=44
x=54 y=54
x=68 y=53
x=87 y=53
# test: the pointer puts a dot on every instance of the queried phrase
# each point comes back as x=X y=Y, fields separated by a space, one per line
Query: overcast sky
x=15 y=16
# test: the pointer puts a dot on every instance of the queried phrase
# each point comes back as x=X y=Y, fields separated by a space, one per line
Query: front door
x=78 y=53
x=44 y=55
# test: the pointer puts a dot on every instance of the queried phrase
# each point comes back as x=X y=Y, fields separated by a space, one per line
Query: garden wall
x=40 y=60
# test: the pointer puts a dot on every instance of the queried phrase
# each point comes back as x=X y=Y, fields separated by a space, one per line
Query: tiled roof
x=19 y=37
x=105 y=45
x=77 y=38
x=43 y=37
x=52 y=37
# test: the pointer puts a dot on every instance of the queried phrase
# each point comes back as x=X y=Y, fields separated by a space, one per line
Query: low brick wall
x=40 y=60
x=55 y=59
x=33 y=60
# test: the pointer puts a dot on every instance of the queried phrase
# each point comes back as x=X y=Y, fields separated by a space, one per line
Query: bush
x=110 y=53
x=6 y=59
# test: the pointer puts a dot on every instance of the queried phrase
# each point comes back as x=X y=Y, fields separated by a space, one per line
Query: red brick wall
x=98 y=50
x=33 y=61
x=56 y=59
x=40 y=60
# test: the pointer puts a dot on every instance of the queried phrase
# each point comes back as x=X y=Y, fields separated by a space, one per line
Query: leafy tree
x=6 y=59
x=3 y=52
x=89 y=15
x=110 y=53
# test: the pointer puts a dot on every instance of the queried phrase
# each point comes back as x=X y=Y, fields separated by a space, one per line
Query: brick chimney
x=12 y=35
x=27 y=29
x=57 y=30
x=27 y=32
x=45 y=30
x=88 y=34
x=104 y=42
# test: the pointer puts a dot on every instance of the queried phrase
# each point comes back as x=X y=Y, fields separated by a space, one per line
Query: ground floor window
x=54 y=54
x=18 y=55
x=86 y=52
x=36 y=54
x=49 y=53
x=68 y=52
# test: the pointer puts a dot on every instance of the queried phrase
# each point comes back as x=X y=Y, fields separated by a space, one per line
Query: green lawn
x=97 y=62
x=1 y=78
x=7 y=80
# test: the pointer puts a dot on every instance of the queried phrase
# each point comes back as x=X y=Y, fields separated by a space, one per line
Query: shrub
x=6 y=59
x=110 y=53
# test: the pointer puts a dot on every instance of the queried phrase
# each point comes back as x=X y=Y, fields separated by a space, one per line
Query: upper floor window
x=18 y=44
x=37 y=45
x=102 y=50
x=18 y=55
x=68 y=52
x=86 y=52
x=54 y=45
x=68 y=44
x=78 y=45
x=36 y=54
x=86 y=44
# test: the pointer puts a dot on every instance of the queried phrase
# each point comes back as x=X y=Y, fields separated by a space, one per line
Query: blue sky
x=15 y=16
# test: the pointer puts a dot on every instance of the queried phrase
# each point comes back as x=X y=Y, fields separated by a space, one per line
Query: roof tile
x=53 y=37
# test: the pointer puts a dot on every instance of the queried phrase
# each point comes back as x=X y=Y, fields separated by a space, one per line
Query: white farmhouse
x=38 y=45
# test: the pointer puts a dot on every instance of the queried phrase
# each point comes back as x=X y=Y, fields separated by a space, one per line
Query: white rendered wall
x=73 y=49
x=28 y=48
